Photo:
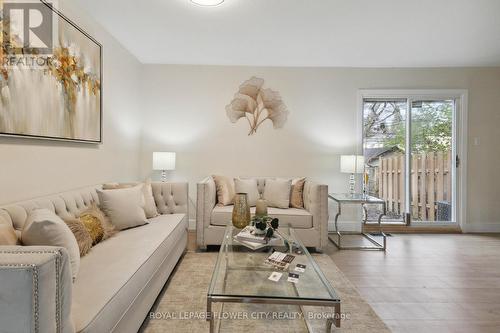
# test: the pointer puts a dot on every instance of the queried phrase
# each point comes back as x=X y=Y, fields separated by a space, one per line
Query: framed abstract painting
x=50 y=75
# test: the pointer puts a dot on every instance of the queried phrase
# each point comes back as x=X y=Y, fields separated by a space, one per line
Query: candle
x=261 y=208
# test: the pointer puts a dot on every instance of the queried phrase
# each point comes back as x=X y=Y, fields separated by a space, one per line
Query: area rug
x=182 y=304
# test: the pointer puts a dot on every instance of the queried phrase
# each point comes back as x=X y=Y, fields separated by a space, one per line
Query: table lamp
x=352 y=164
x=164 y=161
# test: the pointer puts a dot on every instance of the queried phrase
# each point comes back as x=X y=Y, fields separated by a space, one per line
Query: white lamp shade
x=352 y=163
x=163 y=161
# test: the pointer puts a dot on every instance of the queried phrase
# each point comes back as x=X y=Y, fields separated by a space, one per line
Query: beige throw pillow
x=225 y=190
x=125 y=207
x=44 y=227
x=248 y=186
x=297 y=193
x=116 y=186
x=277 y=192
x=149 y=200
x=7 y=235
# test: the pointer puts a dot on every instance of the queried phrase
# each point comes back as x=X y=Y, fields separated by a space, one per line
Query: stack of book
x=250 y=239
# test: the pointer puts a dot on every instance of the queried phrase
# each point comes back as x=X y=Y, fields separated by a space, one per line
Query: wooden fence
x=430 y=182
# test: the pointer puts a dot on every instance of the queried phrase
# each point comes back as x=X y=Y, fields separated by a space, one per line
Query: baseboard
x=354 y=226
x=351 y=226
x=481 y=227
x=414 y=229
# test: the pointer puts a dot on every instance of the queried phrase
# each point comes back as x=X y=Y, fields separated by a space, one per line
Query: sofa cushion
x=114 y=272
x=297 y=218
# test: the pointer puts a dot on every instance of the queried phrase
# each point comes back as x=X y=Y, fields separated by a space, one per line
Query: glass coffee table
x=240 y=276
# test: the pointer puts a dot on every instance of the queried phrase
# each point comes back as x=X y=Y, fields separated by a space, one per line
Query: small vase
x=261 y=208
x=241 y=211
x=259 y=232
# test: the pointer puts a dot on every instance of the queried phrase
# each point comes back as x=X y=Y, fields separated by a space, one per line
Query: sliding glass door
x=410 y=158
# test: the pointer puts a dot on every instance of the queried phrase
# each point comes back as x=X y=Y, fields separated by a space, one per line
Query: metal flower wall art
x=257 y=105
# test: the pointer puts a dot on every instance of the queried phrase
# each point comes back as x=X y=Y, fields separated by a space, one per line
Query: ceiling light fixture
x=207 y=2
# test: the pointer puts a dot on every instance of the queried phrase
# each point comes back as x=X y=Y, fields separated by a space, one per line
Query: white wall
x=181 y=108
x=185 y=113
x=30 y=168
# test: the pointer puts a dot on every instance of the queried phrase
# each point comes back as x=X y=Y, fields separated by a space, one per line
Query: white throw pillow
x=248 y=186
x=125 y=206
x=44 y=227
x=277 y=192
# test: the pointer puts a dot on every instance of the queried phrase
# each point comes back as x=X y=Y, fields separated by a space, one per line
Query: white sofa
x=310 y=224
x=118 y=280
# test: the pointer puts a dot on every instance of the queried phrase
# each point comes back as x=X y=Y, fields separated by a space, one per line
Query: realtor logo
x=27 y=27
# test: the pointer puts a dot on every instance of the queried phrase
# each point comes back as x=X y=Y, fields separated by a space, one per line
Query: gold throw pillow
x=93 y=226
x=297 y=193
x=95 y=214
x=83 y=238
x=90 y=228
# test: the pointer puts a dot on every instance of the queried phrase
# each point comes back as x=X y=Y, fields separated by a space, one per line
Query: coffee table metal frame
x=343 y=198
x=211 y=299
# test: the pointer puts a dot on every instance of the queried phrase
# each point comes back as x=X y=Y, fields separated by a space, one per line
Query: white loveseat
x=310 y=223
x=118 y=280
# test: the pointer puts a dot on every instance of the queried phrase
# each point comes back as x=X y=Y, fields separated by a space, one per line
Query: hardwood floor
x=191 y=246
x=427 y=282
x=430 y=283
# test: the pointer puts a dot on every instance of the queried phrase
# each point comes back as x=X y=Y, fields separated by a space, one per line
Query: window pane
x=384 y=135
x=431 y=160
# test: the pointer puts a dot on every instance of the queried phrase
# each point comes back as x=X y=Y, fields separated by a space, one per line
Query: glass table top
x=354 y=198
x=241 y=272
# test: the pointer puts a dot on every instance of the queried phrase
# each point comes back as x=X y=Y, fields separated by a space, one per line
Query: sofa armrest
x=171 y=197
x=35 y=289
x=205 y=202
x=316 y=203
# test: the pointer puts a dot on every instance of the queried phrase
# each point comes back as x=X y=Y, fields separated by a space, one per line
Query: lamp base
x=164 y=176
x=352 y=184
